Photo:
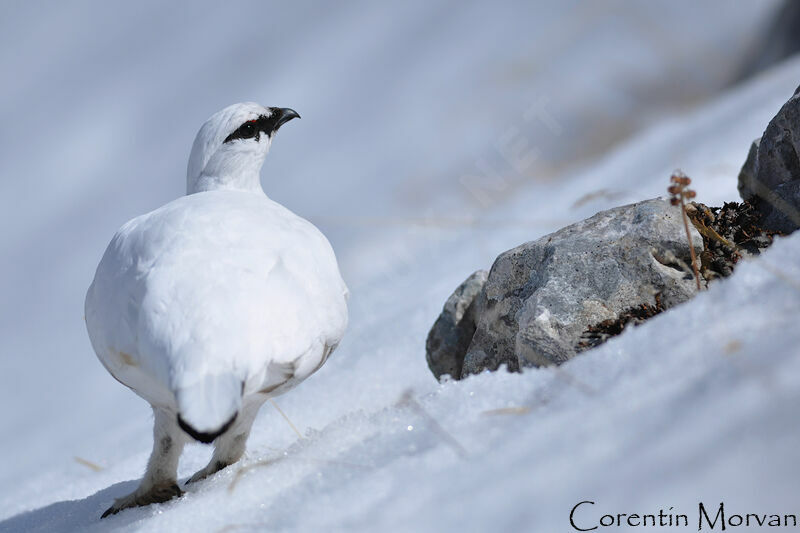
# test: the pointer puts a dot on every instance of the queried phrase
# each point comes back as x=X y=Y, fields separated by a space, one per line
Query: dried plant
x=88 y=464
x=679 y=193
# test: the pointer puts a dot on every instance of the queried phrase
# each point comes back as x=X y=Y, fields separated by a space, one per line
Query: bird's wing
x=214 y=283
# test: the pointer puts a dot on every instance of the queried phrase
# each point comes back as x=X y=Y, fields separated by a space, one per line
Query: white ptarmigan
x=213 y=303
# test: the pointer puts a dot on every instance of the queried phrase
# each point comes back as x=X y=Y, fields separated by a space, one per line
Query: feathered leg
x=229 y=447
x=160 y=482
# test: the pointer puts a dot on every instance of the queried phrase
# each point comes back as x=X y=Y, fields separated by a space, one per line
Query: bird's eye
x=248 y=130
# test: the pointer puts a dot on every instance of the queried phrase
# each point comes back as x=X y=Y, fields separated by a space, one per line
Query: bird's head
x=231 y=145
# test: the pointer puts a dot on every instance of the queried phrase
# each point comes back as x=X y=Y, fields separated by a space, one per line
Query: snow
x=697 y=404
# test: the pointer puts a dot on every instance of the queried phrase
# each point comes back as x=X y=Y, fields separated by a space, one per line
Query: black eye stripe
x=270 y=123
x=248 y=130
x=253 y=128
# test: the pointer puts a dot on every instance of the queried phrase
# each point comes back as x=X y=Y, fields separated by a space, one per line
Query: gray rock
x=778 y=160
x=768 y=178
x=785 y=215
x=541 y=296
x=451 y=334
x=748 y=173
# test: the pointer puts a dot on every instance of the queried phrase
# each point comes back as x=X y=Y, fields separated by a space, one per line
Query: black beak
x=282 y=115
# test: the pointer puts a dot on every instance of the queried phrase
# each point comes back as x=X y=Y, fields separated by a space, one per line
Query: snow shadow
x=76 y=515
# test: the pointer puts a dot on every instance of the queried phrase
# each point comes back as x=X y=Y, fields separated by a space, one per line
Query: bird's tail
x=209 y=406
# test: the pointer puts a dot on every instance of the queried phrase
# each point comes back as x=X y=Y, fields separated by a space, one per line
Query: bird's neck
x=236 y=173
x=249 y=182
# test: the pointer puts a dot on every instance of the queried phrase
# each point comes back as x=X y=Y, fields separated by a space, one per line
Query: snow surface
x=697 y=404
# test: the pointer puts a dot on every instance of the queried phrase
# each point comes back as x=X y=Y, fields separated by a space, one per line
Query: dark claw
x=219 y=465
x=160 y=494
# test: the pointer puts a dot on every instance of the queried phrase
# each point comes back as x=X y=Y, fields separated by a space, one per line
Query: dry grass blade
x=408 y=399
x=268 y=462
x=710 y=233
x=776 y=201
x=561 y=373
x=604 y=194
x=288 y=421
x=778 y=273
x=245 y=469
x=88 y=464
x=507 y=411
x=257 y=526
x=575 y=382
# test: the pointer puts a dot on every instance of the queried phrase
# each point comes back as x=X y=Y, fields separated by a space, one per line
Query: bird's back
x=216 y=283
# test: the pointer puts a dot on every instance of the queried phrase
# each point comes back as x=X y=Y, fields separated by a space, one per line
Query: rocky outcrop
x=770 y=177
x=452 y=332
x=546 y=300
x=541 y=297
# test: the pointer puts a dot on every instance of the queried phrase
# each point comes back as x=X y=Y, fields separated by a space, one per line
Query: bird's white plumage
x=215 y=283
x=219 y=295
x=214 y=164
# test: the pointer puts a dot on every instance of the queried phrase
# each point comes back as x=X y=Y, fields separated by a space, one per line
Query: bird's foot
x=139 y=498
x=211 y=468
